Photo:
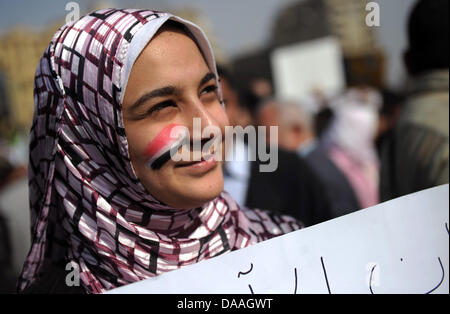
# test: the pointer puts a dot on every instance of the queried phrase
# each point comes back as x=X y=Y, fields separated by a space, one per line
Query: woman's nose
x=199 y=118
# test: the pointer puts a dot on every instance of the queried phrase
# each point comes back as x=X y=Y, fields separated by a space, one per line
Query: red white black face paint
x=166 y=143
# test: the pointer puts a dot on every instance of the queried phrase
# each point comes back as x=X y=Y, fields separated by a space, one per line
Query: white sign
x=399 y=246
x=303 y=68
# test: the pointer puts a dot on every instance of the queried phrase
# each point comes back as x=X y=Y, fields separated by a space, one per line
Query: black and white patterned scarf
x=87 y=205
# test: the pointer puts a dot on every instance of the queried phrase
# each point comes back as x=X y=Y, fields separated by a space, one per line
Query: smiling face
x=171 y=84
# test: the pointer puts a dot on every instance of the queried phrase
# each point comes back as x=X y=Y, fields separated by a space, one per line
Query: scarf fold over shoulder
x=87 y=205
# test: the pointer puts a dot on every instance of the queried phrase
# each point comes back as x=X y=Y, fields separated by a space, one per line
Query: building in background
x=364 y=60
x=299 y=22
x=20 y=51
x=347 y=20
x=4 y=104
x=309 y=20
x=196 y=15
x=344 y=19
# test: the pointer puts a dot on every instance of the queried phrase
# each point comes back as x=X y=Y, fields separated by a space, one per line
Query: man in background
x=296 y=134
x=292 y=189
x=417 y=156
x=7 y=281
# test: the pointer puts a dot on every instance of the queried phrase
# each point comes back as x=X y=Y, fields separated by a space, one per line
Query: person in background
x=238 y=110
x=292 y=189
x=322 y=120
x=296 y=134
x=350 y=141
x=7 y=282
x=388 y=116
x=323 y=114
x=261 y=88
x=237 y=167
x=417 y=156
x=294 y=186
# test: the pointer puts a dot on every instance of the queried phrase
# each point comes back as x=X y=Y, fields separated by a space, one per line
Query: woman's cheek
x=159 y=150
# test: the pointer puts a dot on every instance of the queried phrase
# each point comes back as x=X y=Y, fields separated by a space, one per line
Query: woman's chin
x=185 y=188
x=199 y=192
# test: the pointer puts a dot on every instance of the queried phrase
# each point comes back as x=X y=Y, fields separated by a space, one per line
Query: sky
x=230 y=18
x=238 y=25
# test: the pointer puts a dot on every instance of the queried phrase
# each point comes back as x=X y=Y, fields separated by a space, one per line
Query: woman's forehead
x=173 y=50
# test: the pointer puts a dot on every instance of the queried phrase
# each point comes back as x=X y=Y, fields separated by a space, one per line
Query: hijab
x=350 y=141
x=355 y=124
x=88 y=207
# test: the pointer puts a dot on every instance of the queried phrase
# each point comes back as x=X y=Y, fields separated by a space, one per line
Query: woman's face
x=170 y=83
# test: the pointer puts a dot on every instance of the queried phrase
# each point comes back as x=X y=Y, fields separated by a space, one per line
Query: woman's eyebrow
x=160 y=92
x=208 y=76
x=166 y=91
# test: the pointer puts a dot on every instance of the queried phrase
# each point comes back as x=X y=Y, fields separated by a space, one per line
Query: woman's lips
x=199 y=167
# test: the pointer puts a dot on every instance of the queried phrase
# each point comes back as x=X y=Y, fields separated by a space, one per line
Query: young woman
x=108 y=91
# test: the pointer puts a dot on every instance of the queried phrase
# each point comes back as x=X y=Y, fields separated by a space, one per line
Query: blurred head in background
x=389 y=111
x=261 y=88
x=237 y=111
x=354 y=127
x=428 y=37
x=294 y=124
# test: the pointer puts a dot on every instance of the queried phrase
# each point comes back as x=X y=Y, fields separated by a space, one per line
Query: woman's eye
x=209 y=89
x=161 y=106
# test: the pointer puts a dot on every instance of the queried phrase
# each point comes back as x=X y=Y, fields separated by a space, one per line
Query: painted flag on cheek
x=168 y=141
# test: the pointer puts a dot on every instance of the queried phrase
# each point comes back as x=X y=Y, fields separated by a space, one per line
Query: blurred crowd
x=366 y=145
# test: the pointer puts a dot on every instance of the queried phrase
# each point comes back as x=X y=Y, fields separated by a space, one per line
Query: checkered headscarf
x=87 y=205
